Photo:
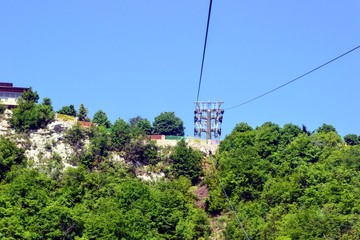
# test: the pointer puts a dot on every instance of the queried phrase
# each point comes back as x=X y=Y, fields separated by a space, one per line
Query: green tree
x=26 y=193
x=142 y=127
x=30 y=97
x=99 y=147
x=145 y=126
x=242 y=170
x=325 y=128
x=75 y=136
x=101 y=119
x=120 y=134
x=47 y=102
x=68 y=110
x=9 y=156
x=352 y=139
x=167 y=123
x=300 y=151
x=267 y=139
x=133 y=121
x=83 y=113
x=29 y=115
x=139 y=152
x=288 y=133
x=296 y=186
x=46 y=112
x=186 y=161
x=241 y=127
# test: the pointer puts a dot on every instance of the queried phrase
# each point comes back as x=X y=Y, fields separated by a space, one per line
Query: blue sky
x=133 y=57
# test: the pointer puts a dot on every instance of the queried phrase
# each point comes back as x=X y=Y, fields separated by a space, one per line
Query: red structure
x=85 y=124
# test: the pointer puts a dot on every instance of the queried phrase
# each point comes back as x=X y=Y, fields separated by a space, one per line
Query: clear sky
x=132 y=57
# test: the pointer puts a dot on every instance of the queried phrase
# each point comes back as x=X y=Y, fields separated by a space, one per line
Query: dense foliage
x=68 y=110
x=167 y=123
x=29 y=115
x=9 y=155
x=352 y=139
x=287 y=184
x=101 y=119
x=120 y=134
x=140 y=126
x=97 y=205
x=82 y=113
x=284 y=182
x=107 y=202
x=186 y=161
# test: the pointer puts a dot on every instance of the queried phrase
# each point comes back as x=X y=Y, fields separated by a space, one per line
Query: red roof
x=85 y=124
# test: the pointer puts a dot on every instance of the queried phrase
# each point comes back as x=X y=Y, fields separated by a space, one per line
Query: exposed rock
x=44 y=146
x=42 y=143
x=206 y=147
x=151 y=176
x=201 y=195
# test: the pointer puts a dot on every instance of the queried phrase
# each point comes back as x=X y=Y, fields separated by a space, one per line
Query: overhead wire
x=197 y=99
x=295 y=79
x=251 y=100
x=232 y=207
x=204 y=50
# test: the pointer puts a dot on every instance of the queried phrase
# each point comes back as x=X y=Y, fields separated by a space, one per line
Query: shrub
x=29 y=115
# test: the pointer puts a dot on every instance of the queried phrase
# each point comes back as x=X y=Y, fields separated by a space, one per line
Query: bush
x=139 y=152
x=186 y=161
x=9 y=156
x=68 y=110
x=120 y=134
x=168 y=124
x=75 y=136
x=29 y=115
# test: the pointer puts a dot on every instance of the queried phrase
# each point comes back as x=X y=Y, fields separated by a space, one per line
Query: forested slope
x=108 y=202
x=284 y=182
x=288 y=183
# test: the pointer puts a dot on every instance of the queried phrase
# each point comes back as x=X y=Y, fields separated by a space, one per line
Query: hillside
x=42 y=145
x=62 y=179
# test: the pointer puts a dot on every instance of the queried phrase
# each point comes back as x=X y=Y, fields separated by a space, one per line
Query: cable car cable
x=197 y=99
x=295 y=79
x=204 y=50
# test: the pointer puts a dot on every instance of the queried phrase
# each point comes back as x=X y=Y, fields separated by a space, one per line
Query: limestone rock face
x=41 y=144
x=48 y=150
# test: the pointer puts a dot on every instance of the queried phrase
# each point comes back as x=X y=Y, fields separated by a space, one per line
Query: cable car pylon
x=208 y=117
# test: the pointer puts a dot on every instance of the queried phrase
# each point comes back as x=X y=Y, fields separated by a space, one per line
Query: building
x=10 y=94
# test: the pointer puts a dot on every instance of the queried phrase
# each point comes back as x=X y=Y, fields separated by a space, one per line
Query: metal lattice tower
x=208 y=118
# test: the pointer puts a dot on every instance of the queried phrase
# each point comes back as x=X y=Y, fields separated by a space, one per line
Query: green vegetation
x=10 y=155
x=105 y=203
x=167 y=123
x=140 y=126
x=68 y=110
x=29 y=115
x=139 y=152
x=75 y=136
x=83 y=113
x=101 y=119
x=120 y=134
x=352 y=139
x=186 y=162
x=99 y=147
x=286 y=184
